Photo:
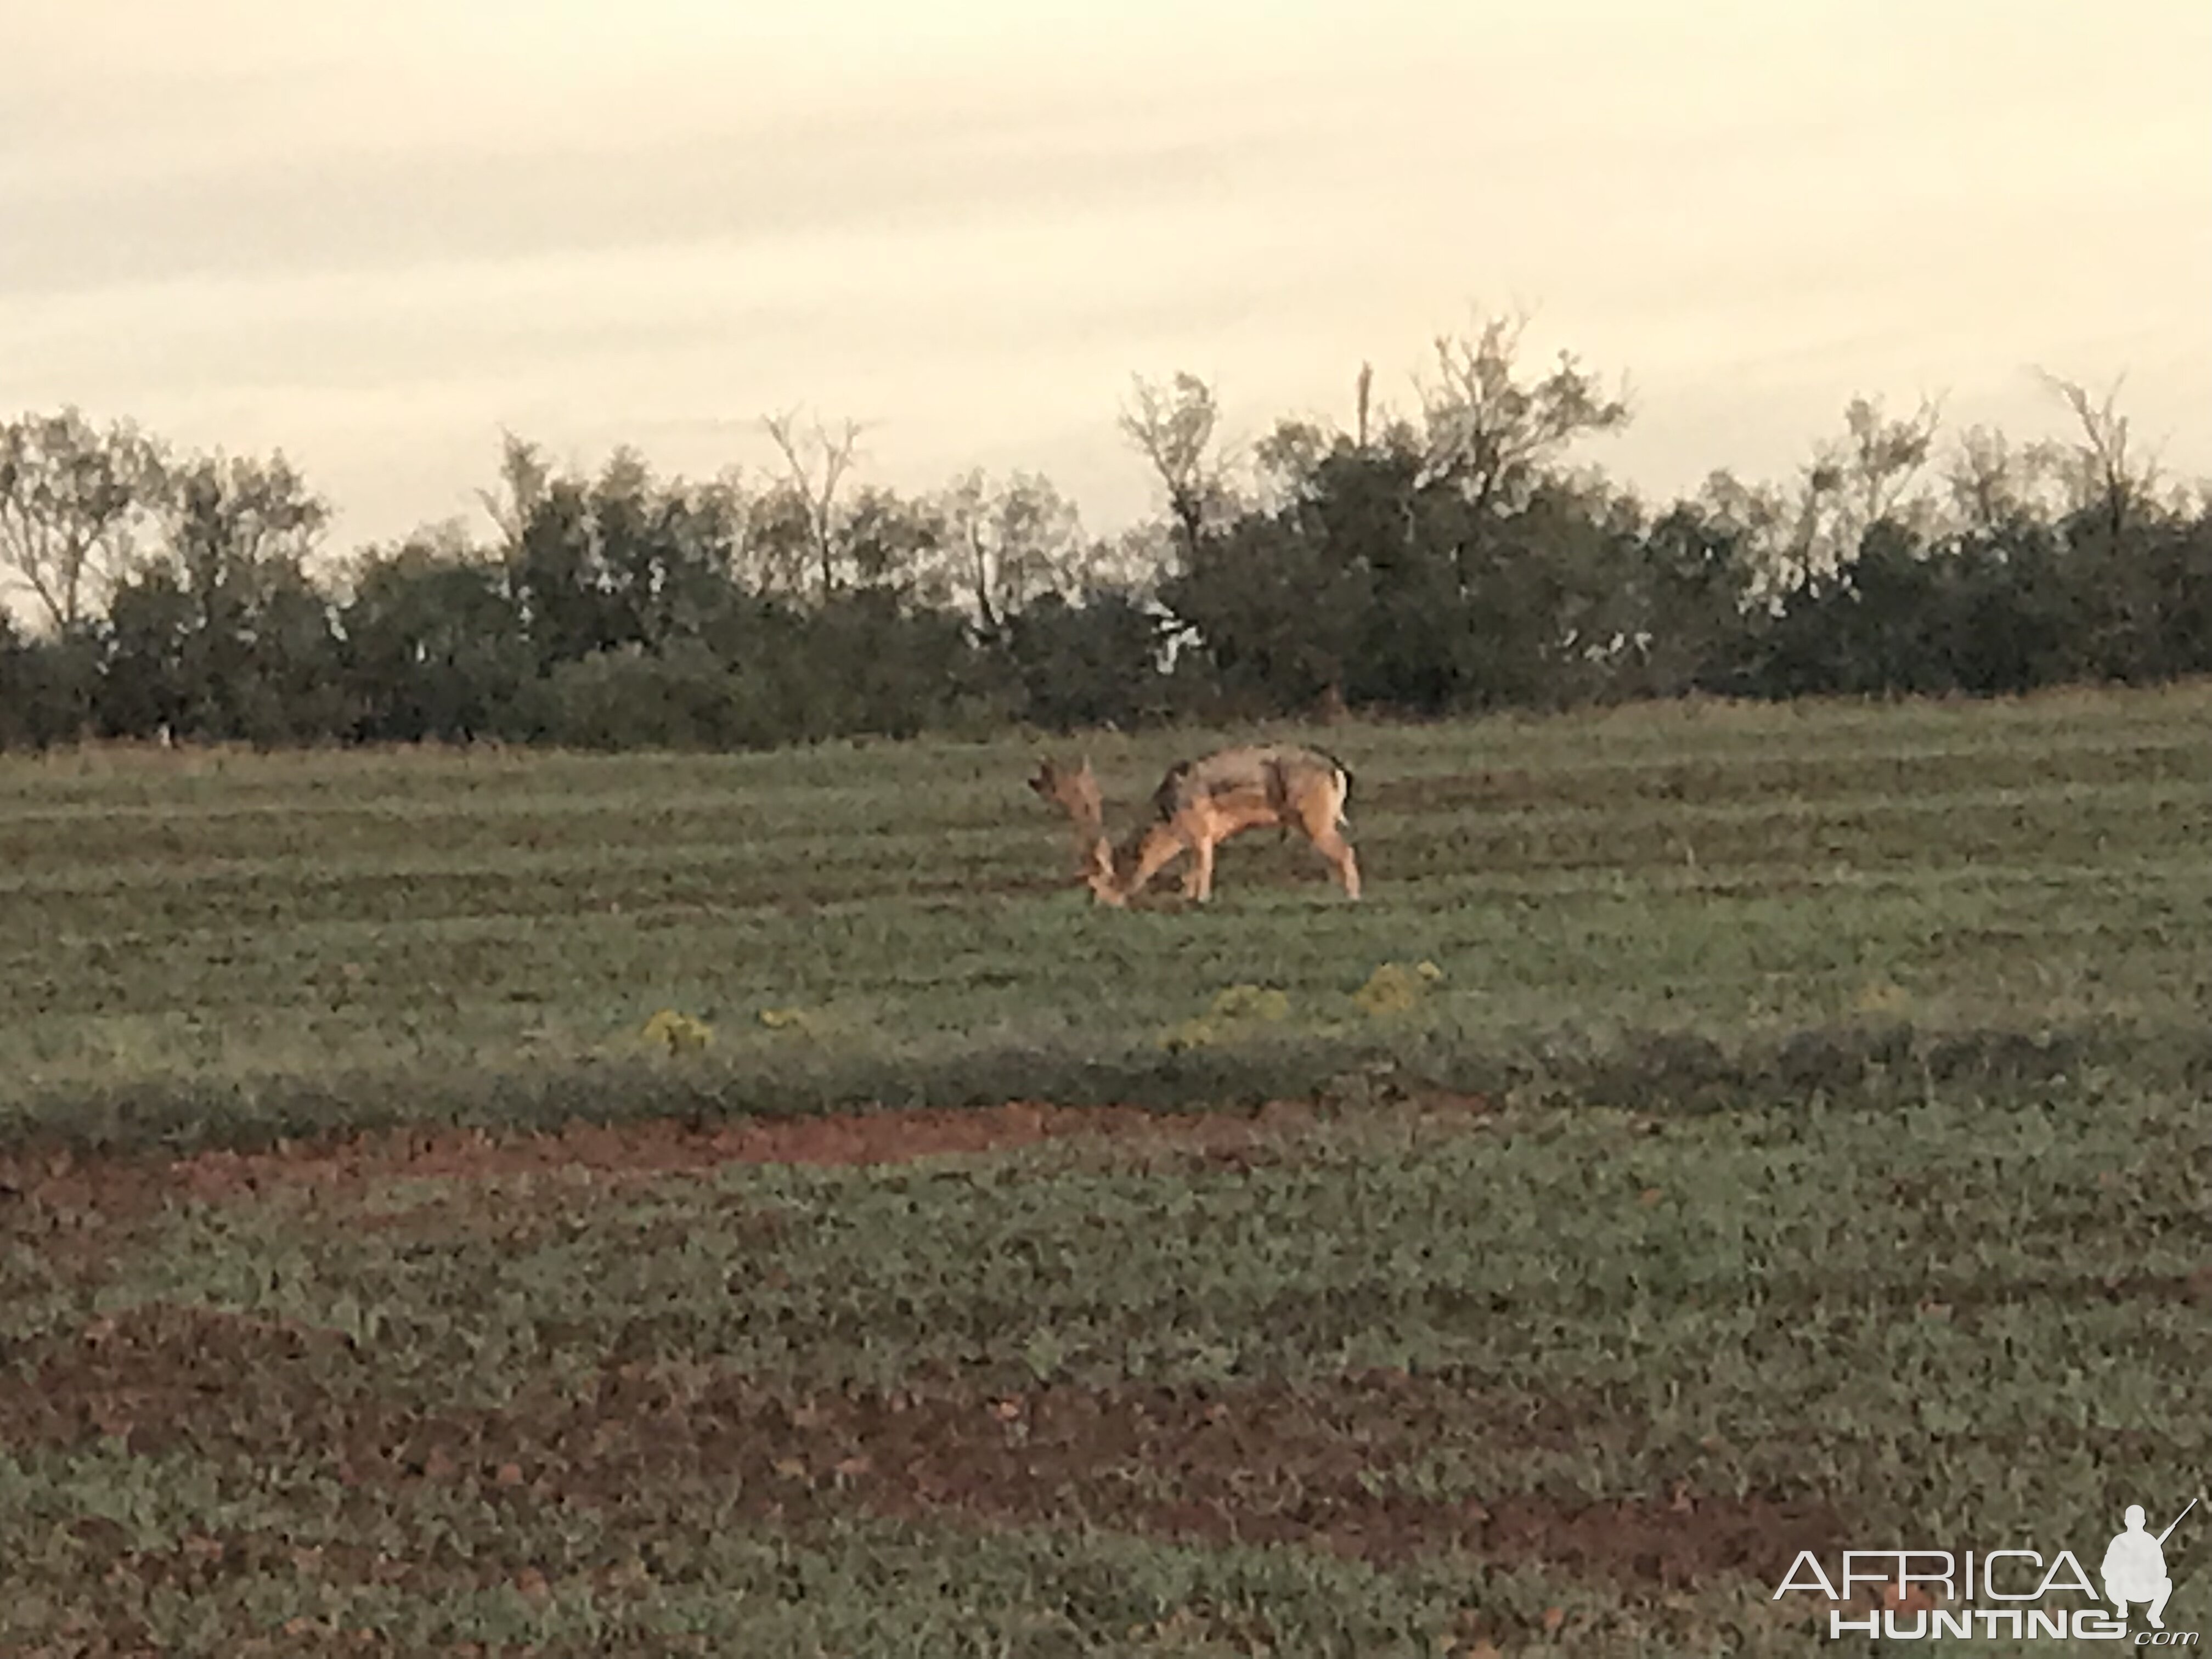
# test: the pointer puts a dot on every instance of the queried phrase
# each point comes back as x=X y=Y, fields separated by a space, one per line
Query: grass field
x=1718 y=1132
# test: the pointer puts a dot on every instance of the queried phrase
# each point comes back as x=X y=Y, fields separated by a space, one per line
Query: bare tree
x=1008 y=544
x=1993 y=482
x=1983 y=478
x=816 y=463
x=1491 y=433
x=1883 y=457
x=1174 y=427
x=1870 y=475
x=525 y=477
x=2102 y=474
x=76 y=505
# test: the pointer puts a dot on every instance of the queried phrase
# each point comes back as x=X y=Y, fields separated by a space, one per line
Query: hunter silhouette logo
x=1923 y=1595
x=2135 y=1566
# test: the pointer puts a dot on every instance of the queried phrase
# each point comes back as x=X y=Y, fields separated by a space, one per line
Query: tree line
x=1458 y=556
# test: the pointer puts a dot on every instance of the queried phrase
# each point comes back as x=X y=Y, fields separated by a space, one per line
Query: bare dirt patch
x=623 y=1150
x=72 y=1203
x=658 y=1148
x=155 y=1375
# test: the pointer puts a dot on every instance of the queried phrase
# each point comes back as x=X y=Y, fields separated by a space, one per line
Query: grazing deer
x=1200 y=804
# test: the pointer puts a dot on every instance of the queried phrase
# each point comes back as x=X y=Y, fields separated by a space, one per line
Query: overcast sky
x=374 y=234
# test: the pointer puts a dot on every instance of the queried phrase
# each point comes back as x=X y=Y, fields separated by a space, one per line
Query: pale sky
x=376 y=234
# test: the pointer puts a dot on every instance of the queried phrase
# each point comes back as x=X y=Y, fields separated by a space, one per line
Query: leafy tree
x=435 y=646
x=683 y=698
x=224 y=634
x=1088 y=665
x=596 y=562
x=1460 y=557
x=1695 y=577
x=1277 y=619
x=1383 y=570
x=48 y=687
x=876 y=667
x=667 y=551
x=890 y=541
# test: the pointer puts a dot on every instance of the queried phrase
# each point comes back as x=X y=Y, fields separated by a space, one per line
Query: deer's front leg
x=1199 y=884
x=1159 y=849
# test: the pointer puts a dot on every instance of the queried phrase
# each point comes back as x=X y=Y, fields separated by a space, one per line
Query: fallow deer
x=1198 y=805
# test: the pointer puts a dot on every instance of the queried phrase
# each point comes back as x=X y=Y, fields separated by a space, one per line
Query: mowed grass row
x=1548 y=1378
x=82 y=825
x=230 y=923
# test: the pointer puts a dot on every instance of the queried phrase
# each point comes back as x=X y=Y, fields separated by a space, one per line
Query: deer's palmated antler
x=1076 y=793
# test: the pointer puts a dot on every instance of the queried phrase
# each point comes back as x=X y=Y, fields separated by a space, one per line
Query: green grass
x=229 y=937
x=1952 y=1322
x=1841 y=1177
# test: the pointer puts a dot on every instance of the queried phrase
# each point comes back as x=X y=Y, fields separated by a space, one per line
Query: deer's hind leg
x=1317 y=820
